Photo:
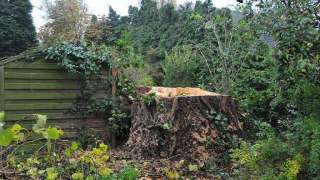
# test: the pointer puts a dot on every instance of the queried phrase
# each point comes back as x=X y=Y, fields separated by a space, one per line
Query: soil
x=158 y=168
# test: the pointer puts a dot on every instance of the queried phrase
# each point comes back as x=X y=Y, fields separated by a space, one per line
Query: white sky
x=100 y=7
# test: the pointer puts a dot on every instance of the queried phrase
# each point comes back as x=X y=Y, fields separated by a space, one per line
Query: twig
x=173 y=156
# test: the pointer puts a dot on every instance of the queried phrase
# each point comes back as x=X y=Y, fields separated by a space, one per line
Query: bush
x=53 y=160
x=180 y=67
x=289 y=156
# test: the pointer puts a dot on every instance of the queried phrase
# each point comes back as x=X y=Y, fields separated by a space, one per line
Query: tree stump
x=181 y=122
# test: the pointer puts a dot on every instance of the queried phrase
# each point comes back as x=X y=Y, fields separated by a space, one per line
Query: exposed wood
x=114 y=72
x=178 y=123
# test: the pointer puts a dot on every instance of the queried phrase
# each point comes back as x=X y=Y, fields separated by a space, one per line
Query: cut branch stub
x=181 y=122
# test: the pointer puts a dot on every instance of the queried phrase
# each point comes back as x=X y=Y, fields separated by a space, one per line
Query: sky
x=100 y=7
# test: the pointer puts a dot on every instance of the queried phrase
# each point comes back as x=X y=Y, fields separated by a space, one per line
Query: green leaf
x=193 y=168
x=74 y=146
x=51 y=174
x=77 y=176
x=2 y=116
x=1 y=125
x=69 y=151
x=53 y=133
x=6 y=137
x=41 y=122
x=167 y=126
x=16 y=128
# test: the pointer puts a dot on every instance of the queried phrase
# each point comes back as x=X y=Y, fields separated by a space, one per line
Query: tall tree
x=114 y=22
x=67 y=21
x=133 y=14
x=17 y=32
x=113 y=17
x=98 y=31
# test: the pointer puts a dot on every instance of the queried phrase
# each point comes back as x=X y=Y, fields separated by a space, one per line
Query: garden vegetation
x=263 y=53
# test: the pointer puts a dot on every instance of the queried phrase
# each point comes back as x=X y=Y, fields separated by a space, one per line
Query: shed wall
x=43 y=88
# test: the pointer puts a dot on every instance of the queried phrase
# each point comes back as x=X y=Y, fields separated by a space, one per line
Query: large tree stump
x=179 y=123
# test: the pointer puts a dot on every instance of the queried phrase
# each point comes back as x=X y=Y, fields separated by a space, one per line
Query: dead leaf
x=196 y=136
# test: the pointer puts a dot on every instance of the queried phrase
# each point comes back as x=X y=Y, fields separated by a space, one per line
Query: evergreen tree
x=113 y=17
x=17 y=32
x=133 y=14
x=113 y=21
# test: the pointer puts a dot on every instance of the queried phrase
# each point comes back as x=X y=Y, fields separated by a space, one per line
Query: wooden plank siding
x=2 y=92
x=39 y=87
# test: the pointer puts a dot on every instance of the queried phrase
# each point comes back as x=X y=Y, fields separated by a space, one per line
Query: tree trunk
x=183 y=121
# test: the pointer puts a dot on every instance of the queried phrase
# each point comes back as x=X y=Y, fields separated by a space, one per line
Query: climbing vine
x=90 y=63
x=99 y=69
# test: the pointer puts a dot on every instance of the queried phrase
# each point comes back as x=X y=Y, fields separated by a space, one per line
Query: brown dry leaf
x=232 y=127
x=214 y=134
x=198 y=137
x=145 y=178
x=202 y=153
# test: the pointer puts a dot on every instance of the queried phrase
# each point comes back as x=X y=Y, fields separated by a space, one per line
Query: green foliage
x=10 y=135
x=87 y=138
x=2 y=116
x=283 y=157
x=307 y=98
x=225 y=139
x=128 y=173
x=74 y=163
x=149 y=99
x=83 y=60
x=52 y=134
x=70 y=150
x=266 y=56
x=17 y=134
x=66 y=21
x=6 y=137
x=180 y=67
x=141 y=76
x=92 y=63
x=17 y=30
x=193 y=168
x=113 y=21
x=127 y=88
x=119 y=121
x=295 y=52
x=63 y=161
x=167 y=126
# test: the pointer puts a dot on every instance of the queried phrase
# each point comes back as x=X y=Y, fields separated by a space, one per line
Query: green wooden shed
x=41 y=87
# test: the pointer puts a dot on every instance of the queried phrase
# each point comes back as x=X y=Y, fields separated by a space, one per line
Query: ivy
x=93 y=65
x=82 y=60
x=90 y=63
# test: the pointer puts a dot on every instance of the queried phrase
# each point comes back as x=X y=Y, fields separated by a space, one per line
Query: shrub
x=289 y=156
x=57 y=161
x=180 y=67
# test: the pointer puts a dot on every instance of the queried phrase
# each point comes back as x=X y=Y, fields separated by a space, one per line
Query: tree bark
x=179 y=123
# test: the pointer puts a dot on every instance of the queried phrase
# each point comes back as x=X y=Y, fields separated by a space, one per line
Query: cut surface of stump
x=187 y=122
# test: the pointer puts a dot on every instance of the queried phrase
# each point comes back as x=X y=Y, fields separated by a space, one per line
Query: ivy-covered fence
x=43 y=87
